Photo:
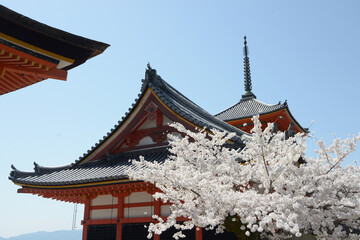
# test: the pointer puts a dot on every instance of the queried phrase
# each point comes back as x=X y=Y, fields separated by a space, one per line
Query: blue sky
x=305 y=52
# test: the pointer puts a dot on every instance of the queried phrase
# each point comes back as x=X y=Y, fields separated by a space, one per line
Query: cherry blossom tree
x=267 y=189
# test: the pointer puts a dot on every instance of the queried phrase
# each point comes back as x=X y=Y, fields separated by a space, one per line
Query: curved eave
x=79 y=194
x=93 y=183
x=108 y=170
x=305 y=130
x=201 y=113
x=128 y=117
x=200 y=125
x=171 y=102
x=261 y=114
x=51 y=42
x=195 y=126
x=236 y=122
x=114 y=131
x=19 y=69
x=151 y=88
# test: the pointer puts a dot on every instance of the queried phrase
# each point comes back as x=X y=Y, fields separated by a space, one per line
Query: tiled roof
x=248 y=107
x=110 y=168
x=190 y=111
x=104 y=170
x=176 y=102
x=48 y=38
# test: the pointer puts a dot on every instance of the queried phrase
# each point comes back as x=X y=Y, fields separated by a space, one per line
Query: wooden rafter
x=19 y=70
x=78 y=195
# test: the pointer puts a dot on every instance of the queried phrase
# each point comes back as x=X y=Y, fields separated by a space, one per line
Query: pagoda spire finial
x=247 y=74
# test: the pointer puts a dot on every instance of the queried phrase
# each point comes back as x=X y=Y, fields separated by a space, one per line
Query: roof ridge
x=203 y=113
x=111 y=165
x=150 y=75
x=160 y=86
x=145 y=84
x=250 y=99
x=271 y=105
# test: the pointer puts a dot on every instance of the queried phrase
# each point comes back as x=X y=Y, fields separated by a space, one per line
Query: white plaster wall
x=152 y=124
x=103 y=213
x=104 y=200
x=165 y=210
x=166 y=121
x=145 y=141
x=138 y=212
x=176 y=134
x=148 y=124
x=137 y=197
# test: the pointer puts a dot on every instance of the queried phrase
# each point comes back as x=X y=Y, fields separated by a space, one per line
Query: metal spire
x=247 y=74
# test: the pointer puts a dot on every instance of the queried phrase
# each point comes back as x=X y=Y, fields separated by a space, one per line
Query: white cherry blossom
x=262 y=187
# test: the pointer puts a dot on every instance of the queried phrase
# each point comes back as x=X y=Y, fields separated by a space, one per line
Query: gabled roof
x=248 y=107
x=102 y=169
x=178 y=103
x=187 y=109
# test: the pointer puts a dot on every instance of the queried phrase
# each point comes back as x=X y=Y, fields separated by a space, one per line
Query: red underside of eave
x=281 y=117
x=78 y=194
x=19 y=70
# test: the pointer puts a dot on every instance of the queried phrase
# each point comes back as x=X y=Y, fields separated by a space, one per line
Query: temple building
x=116 y=207
x=31 y=51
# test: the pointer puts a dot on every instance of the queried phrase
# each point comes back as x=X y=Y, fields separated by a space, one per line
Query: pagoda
x=240 y=114
x=116 y=207
x=31 y=51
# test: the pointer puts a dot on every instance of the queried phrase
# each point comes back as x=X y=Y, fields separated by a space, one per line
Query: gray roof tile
x=179 y=104
x=114 y=169
x=91 y=172
x=248 y=107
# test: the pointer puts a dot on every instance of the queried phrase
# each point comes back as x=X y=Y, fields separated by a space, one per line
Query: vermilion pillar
x=86 y=218
x=198 y=233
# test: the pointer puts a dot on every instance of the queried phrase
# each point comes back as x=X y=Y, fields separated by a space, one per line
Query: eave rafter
x=281 y=117
x=18 y=70
x=80 y=194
